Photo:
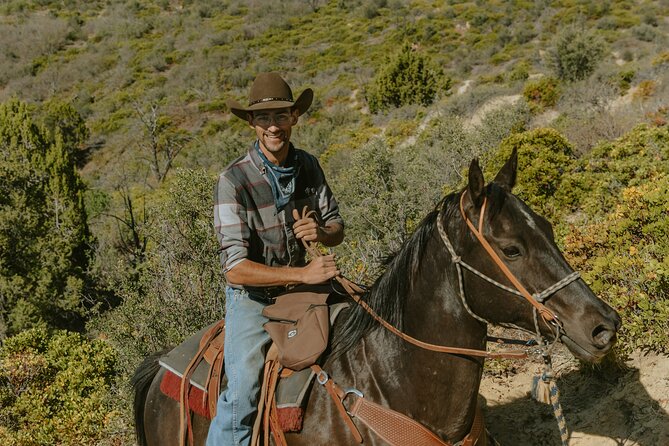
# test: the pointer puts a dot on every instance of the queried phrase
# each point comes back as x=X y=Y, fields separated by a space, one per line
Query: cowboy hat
x=270 y=91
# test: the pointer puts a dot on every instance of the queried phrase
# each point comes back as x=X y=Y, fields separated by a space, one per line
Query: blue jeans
x=245 y=340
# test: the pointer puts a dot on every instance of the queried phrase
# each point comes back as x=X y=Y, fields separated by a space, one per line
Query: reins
x=536 y=300
x=355 y=292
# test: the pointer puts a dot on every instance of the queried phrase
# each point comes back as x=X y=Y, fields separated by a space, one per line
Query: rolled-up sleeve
x=230 y=222
x=328 y=205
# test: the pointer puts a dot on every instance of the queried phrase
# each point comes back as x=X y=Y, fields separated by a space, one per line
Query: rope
x=557 y=412
x=545 y=390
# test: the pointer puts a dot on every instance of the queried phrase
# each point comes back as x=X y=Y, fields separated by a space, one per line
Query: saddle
x=194 y=369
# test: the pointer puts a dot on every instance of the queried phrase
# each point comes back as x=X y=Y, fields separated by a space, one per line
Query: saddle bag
x=299 y=326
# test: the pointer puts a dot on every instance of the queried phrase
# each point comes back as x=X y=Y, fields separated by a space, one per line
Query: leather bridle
x=536 y=300
x=379 y=418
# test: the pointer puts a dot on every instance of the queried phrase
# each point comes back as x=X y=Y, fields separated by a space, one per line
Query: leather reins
x=355 y=292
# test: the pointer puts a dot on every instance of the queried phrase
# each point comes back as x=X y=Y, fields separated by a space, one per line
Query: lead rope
x=544 y=386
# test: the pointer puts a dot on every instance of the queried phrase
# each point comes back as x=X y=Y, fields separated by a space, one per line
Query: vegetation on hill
x=45 y=242
x=113 y=127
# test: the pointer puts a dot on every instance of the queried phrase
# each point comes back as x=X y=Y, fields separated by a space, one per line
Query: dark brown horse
x=420 y=294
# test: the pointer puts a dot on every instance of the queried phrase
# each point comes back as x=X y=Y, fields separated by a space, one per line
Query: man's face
x=273 y=128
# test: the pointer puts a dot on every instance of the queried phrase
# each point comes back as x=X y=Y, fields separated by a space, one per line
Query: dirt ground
x=616 y=407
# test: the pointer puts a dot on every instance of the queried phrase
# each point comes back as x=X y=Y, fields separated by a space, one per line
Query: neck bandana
x=281 y=179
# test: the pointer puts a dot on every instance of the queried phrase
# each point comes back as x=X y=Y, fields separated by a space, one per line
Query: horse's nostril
x=602 y=335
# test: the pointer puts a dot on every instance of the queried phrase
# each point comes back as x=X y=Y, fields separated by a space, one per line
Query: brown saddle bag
x=299 y=326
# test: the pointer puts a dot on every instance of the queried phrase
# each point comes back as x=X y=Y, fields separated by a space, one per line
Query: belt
x=266 y=295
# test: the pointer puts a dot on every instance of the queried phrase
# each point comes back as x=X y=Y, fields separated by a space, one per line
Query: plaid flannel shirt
x=247 y=223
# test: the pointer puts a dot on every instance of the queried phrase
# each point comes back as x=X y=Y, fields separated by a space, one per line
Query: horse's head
x=524 y=242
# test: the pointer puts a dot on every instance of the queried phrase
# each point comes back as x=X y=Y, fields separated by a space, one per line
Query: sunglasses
x=266 y=119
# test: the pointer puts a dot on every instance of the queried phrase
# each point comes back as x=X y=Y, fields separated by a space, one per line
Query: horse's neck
x=440 y=390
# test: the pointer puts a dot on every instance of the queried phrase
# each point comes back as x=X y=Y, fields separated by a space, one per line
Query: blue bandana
x=281 y=179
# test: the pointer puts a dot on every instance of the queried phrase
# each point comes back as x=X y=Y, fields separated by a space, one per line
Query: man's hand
x=306 y=228
x=321 y=269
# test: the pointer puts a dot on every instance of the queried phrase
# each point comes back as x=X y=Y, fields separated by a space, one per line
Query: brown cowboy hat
x=270 y=91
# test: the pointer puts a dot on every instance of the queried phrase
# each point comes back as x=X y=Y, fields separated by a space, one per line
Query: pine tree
x=406 y=79
x=44 y=236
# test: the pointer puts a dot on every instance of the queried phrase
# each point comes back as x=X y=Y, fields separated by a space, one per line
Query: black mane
x=388 y=294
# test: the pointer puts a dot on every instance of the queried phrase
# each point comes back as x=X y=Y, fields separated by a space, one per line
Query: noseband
x=536 y=300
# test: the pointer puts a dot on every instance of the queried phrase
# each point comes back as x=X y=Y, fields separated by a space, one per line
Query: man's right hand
x=321 y=269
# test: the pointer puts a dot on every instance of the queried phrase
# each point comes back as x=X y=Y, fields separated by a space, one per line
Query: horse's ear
x=506 y=177
x=476 y=183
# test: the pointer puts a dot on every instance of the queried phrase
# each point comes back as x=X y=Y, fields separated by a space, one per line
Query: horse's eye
x=511 y=252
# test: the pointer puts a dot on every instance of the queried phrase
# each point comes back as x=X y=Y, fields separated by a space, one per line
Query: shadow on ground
x=601 y=408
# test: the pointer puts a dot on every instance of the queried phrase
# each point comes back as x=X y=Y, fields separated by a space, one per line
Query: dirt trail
x=617 y=408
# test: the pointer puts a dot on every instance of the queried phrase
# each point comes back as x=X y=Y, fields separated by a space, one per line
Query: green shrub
x=520 y=72
x=624 y=255
x=544 y=156
x=625 y=79
x=54 y=389
x=575 y=54
x=596 y=183
x=179 y=286
x=541 y=93
x=644 y=32
x=406 y=79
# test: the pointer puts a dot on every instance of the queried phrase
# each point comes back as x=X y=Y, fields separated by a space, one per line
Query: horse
x=425 y=293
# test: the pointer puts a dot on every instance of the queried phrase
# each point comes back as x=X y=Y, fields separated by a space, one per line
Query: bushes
x=624 y=256
x=544 y=156
x=178 y=287
x=407 y=79
x=541 y=93
x=575 y=54
x=54 y=389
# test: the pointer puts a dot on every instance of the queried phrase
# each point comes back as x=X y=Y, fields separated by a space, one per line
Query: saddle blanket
x=291 y=392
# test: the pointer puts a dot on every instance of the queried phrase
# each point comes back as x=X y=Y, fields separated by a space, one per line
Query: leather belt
x=266 y=295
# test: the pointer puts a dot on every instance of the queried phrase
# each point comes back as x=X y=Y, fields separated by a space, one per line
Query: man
x=258 y=204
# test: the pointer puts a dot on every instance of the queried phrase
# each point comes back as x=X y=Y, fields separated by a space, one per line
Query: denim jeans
x=245 y=342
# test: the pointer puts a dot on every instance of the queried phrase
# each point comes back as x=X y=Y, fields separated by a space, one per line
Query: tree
x=162 y=142
x=44 y=236
x=406 y=79
x=575 y=54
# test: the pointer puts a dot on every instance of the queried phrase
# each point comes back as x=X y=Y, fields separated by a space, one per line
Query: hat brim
x=301 y=104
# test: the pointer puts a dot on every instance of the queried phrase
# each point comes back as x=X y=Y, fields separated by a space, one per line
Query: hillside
x=113 y=127
x=114 y=60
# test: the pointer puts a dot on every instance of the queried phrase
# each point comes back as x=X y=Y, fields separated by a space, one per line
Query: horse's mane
x=389 y=293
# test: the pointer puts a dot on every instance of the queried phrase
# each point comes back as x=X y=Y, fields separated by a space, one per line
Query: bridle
x=536 y=300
